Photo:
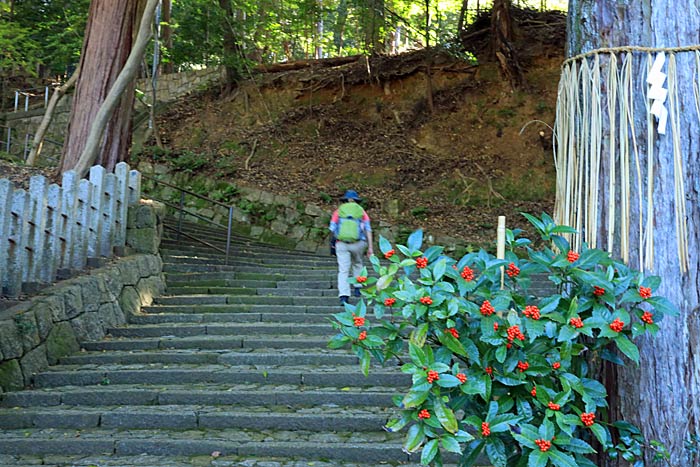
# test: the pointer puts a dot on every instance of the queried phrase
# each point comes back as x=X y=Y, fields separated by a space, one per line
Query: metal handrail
x=180 y=207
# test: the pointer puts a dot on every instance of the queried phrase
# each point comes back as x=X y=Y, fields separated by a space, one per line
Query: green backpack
x=349 y=222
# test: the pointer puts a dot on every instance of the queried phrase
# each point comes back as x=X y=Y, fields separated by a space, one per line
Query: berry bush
x=496 y=369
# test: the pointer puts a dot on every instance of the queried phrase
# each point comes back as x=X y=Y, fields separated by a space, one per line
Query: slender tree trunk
x=501 y=42
x=462 y=16
x=232 y=46
x=167 y=34
x=108 y=40
x=662 y=395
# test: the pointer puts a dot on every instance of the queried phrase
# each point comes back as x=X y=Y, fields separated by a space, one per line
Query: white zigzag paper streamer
x=657 y=93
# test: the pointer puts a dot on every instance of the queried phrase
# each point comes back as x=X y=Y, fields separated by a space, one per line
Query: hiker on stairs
x=351 y=229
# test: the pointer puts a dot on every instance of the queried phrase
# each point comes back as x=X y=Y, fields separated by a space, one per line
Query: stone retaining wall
x=38 y=332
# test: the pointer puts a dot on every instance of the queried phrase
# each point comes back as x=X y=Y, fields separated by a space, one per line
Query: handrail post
x=182 y=214
x=26 y=102
x=228 y=233
x=46 y=96
x=16 y=100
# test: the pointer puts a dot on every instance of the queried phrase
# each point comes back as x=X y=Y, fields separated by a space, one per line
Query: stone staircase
x=231 y=368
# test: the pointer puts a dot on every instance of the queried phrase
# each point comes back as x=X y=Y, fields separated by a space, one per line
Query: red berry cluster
x=576 y=322
x=485 y=429
x=553 y=406
x=358 y=321
x=361 y=279
x=556 y=365
x=647 y=317
x=531 y=311
x=572 y=256
x=362 y=336
x=588 y=418
x=543 y=444
x=598 y=291
x=426 y=300
x=487 y=309
x=523 y=366
x=454 y=332
x=617 y=325
x=433 y=376
x=389 y=254
x=461 y=377
x=488 y=370
x=423 y=414
x=645 y=292
x=533 y=391
x=467 y=274
x=421 y=262
x=514 y=332
x=389 y=301
x=513 y=270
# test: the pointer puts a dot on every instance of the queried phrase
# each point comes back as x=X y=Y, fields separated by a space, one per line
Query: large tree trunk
x=167 y=34
x=501 y=42
x=662 y=395
x=108 y=40
x=232 y=47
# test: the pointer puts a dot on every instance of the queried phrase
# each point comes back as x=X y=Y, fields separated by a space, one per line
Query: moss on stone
x=11 y=378
x=61 y=342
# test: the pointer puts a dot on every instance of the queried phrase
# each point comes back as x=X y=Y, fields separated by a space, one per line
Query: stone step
x=202 y=394
x=153 y=317
x=243 y=308
x=265 y=291
x=209 y=343
x=291 y=272
x=369 y=448
x=244 y=299
x=268 y=260
x=255 y=284
x=241 y=357
x=241 y=275
x=194 y=417
x=234 y=329
x=232 y=265
x=74 y=375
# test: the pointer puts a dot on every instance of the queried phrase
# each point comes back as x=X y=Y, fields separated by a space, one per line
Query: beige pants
x=349 y=257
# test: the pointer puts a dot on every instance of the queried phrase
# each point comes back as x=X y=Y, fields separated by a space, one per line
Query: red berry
x=617 y=325
x=426 y=300
x=361 y=279
x=553 y=406
x=645 y=292
x=512 y=270
x=389 y=301
x=598 y=291
x=389 y=254
x=487 y=309
x=423 y=414
x=433 y=376
x=485 y=429
x=534 y=391
x=514 y=332
x=576 y=322
x=362 y=336
x=495 y=326
x=358 y=321
x=556 y=365
x=647 y=317
x=532 y=312
x=543 y=444
x=454 y=332
x=467 y=274
x=572 y=256
x=523 y=366
x=421 y=262
x=488 y=370
x=588 y=418
x=461 y=377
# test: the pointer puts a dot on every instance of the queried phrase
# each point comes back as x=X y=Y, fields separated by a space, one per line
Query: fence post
x=182 y=214
x=36 y=241
x=82 y=218
x=109 y=206
x=18 y=242
x=54 y=232
x=69 y=205
x=501 y=244
x=16 y=100
x=228 y=233
x=5 y=217
x=134 y=187
x=122 y=195
x=97 y=176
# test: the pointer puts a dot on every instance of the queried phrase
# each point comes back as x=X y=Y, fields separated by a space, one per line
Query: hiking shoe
x=356 y=292
x=343 y=300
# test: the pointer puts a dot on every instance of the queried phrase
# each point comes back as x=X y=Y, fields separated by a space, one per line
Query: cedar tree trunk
x=108 y=39
x=662 y=395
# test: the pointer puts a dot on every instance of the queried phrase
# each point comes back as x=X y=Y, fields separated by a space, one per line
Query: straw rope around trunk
x=581 y=154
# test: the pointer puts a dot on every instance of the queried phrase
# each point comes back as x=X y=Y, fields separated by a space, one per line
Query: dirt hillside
x=481 y=152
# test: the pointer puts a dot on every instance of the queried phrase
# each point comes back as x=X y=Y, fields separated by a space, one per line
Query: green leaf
x=448 y=381
x=384 y=282
x=416 y=395
x=471 y=453
x=663 y=305
x=414 y=438
x=493 y=410
x=627 y=347
x=397 y=424
x=384 y=245
x=601 y=433
x=567 y=333
x=415 y=240
x=364 y=363
x=338 y=341
x=496 y=451
x=537 y=458
x=578 y=446
x=419 y=334
x=452 y=343
x=501 y=353
x=560 y=459
x=439 y=270
x=451 y=444
x=446 y=416
x=417 y=355
x=429 y=451
x=503 y=422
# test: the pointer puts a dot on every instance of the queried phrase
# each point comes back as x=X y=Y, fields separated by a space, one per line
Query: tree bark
x=167 y=34
x=501 y=41
x=232 y=47
x=123 y=85
x=108 y=40
x=662 y=395
x=462 y=17
x=38 y=142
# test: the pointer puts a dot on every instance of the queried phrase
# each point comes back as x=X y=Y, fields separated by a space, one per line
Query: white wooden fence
x=52 y=227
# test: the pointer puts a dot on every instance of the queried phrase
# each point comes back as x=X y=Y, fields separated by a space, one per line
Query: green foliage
x=189 y=161
x=497 y=370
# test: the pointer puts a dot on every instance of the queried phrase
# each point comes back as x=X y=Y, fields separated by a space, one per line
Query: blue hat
x=351 y=195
